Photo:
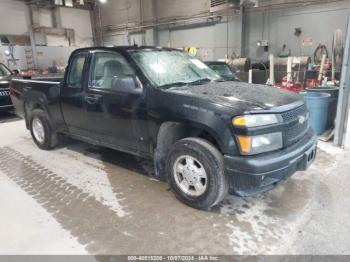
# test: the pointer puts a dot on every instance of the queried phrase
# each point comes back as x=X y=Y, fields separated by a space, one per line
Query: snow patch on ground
x=330 y=148
x=21 y=230
x=78 y=167
x=253 y=231
x=84 y=171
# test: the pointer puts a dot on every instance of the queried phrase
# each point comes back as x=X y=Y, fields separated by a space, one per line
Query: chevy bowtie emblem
x=301 y=119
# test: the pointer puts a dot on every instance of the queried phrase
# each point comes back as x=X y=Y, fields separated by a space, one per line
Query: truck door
x=72 y=95
x=117 y=118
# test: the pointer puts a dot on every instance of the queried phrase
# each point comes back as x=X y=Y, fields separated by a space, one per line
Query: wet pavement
x=8 y=116
x=107 y=202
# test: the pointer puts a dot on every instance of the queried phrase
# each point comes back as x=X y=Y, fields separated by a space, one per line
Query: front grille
x=4 y=92
x=293 y=114
x=295 y=129
x=4 y=87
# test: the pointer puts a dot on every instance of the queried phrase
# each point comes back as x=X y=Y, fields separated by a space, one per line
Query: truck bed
x=44 y=89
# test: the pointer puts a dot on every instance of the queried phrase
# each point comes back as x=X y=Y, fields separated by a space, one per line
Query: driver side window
x=106 y=66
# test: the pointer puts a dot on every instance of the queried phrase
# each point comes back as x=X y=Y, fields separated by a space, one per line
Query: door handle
x=92 y=99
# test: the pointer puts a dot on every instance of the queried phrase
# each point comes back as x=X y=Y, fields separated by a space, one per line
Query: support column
x=342 y=124
x=155 y=20
x=96 y=23
x=94 y=27
x=31 y=23
x=242 y=33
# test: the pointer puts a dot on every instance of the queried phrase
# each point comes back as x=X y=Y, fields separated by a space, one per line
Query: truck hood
x=238 y=95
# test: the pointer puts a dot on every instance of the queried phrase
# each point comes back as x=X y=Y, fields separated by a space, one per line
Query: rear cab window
x=76 y=70
x=4 y=71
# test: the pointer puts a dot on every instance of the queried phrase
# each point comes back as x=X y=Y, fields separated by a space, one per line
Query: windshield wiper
x=200 y=81
x=196 y=82
x=173 y=85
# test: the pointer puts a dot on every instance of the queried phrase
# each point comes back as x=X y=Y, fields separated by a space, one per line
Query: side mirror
x=15 y=72
x=127 y=84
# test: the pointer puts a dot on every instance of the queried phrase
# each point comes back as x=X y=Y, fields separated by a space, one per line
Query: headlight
x=251 y=145
x=255 y=120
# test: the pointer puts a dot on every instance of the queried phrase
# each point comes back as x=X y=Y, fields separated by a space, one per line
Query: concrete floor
x=80 y=199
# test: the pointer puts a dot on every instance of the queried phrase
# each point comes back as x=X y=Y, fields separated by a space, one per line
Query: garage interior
x=83 y=199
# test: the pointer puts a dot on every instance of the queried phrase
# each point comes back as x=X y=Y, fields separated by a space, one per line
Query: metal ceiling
x=87 y=4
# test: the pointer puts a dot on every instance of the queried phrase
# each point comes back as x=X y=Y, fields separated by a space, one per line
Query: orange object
x=245 y=143
x=312 y=83
x=294 y=87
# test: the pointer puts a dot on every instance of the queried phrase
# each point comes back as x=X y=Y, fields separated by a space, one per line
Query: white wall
x=18 y=54
x=79 y=20
x=215 y=41
x=76 y=19
x=45 y=55
x=56 y=40
x=120 y=12
x=180 y=8
x=14 y=20
x=117 y=12
x=316 y=21
x=13 y=17
x=45 y=17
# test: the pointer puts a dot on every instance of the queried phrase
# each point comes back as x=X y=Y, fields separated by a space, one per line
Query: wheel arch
x=29 y=106
x=170 y=132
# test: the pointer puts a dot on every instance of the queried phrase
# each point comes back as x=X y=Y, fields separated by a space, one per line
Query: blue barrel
x=333 y=103
x=317 y=103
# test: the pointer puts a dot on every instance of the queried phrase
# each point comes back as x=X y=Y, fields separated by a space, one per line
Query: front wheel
x=196 y=173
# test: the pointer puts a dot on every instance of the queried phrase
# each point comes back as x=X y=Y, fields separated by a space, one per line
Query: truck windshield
x=4 y=71
x=173 y=68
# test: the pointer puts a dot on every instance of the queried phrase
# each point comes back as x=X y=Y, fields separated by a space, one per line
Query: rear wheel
x=196 y=174
x=41 y=130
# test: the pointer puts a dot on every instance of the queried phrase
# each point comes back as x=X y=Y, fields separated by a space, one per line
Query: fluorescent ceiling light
x=103 y=1
x=69 y=3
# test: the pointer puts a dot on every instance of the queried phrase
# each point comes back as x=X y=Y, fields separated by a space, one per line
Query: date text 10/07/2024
x=173 y=258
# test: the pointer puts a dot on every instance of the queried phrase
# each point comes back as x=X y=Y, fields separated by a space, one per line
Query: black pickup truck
x=5 y=77
x=207 y=136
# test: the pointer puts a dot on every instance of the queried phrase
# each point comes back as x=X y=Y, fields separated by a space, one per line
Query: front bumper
x=249 y=175
x=6 y=107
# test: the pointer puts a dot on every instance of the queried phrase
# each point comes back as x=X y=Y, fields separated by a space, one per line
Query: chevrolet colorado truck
x=5 y=77
x=207 y=137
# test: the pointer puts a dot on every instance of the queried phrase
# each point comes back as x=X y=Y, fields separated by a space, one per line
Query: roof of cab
x=215 y=62
x=126 y=48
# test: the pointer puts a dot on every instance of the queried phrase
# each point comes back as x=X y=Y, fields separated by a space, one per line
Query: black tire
x=50 y=137
x=211 y=160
